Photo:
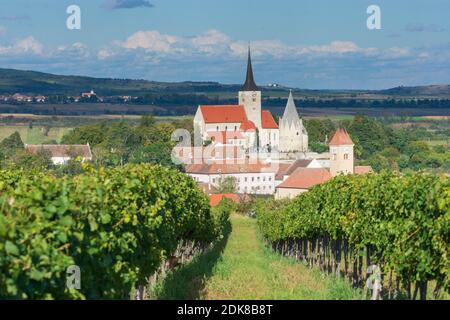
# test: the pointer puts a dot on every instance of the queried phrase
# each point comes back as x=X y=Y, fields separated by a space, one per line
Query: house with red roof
x=250 y=178
x=301 y=180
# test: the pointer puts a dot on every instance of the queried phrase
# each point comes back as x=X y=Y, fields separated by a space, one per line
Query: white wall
x=290 y=193
x=269 y=137
x=338 y=163
x=251 y=100
x=252 y=183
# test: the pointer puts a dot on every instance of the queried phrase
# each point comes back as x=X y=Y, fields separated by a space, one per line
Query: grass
x=241 y=267
x=34 y=135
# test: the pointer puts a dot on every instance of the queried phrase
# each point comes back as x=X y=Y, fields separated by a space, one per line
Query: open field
x=36 y=135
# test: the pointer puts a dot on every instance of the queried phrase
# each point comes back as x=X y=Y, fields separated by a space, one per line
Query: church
x=248 y=126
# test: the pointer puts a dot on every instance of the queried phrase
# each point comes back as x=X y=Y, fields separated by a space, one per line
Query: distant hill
x=432 y=90
x=32 y=82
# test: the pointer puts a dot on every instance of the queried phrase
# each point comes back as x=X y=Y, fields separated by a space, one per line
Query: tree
x=370 y=134
x=10 y=145
x=147 y=121
x=157 y=153
x=227 y=185
x=27 y=160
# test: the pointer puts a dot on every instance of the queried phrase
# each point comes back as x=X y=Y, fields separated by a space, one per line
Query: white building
x=60 y=153
x=250 y=178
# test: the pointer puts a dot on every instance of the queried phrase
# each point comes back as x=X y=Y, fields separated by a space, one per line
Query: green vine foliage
x=403 y=219
x=117 y=225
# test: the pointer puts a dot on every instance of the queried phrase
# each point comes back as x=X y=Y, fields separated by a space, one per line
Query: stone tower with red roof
x=341 y=153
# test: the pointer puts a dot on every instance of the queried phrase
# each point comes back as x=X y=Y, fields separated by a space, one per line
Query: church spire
x=290 y=112
x=249 y=84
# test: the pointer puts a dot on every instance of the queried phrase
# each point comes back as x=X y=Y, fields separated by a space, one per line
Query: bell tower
x=250 y=96
x=341 y=153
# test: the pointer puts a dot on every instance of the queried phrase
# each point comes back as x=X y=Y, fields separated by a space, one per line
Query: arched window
x=346 y=156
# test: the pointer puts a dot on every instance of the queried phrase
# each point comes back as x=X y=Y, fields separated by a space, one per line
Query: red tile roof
x=248 y=126
x=305 y=178
x=62 y=150
x=267 y=120
x=282 y=168
x=227 y=168
x=341 y=137
x=223 y=113
x=291 y=167
x=363 y=169
x=214 y=199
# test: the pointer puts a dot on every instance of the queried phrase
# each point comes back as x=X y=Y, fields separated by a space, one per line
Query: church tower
x=293 y=135
x=341 y=153
x=250 y=96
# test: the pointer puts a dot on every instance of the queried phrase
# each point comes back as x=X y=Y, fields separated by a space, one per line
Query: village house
x=256 y=178
x=89 y=94
x=40 y=99
x=22 y=98
x=60 y=153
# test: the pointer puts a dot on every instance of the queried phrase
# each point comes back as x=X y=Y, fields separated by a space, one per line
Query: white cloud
x=215 y=56
x=76 y=50
x=214 y=42
x=104 y=54
x=27 y=45
x=396 y=52
x=210 y=42
x=151 y=41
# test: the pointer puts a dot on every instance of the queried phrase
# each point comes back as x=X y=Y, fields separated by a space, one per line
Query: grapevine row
x=117 y=225
x=399 y=223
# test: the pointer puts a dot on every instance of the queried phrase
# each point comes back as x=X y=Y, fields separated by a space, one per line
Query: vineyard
x=399 y=223
x=117 y=225
x=124 y=227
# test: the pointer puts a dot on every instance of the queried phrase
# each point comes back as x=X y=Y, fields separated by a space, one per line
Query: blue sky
x=313 y=44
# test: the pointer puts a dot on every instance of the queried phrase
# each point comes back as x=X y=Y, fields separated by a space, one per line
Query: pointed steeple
x=249 y=84
x=290 y=114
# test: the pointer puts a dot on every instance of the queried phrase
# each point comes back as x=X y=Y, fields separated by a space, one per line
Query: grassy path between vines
x=241 y=267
